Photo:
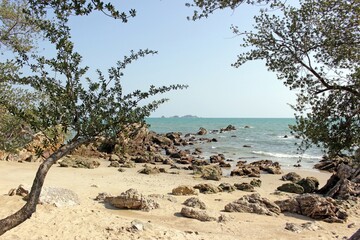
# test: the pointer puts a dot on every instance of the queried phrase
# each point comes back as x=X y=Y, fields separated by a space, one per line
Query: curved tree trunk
x=355 y=236
x=30 y=207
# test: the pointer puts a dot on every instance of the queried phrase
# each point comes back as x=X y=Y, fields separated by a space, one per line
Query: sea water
x=254 y=139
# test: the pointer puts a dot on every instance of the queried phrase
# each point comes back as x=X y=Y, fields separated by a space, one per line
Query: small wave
x=283 y=155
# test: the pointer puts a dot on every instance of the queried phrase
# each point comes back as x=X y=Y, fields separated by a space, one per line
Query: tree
x=314 y=49
x=97 y=108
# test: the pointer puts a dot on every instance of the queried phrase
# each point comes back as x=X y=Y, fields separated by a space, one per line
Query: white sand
x=92 y=220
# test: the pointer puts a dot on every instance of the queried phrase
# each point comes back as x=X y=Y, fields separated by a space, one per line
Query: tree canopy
x=72 y=102
x=313 y=47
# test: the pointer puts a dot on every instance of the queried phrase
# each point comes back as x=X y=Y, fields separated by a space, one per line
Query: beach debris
x=314 y=206
x=297 y=228
x=253 y=203
x=255 y=182
x=226 y=187
x=200 y=215
x=149 y=170
x=79 y=162
x=202 y=131
x=343 y=184
x=209 y=172
x=310 y=184
x=291 y=188
x=184 y=190
x=291 y=176
x=195 y=202
x=246 y=187
x=131 y=199
x=207 y=188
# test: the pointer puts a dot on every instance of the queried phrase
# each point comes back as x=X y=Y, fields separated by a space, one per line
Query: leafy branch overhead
x=314 y=49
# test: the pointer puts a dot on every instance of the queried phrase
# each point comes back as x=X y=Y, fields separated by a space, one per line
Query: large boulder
x=344 y=183
x=59 y=197
x=314 y=206
x=131 y=199
x=149 y=170
x=209 y=172
x=226 y=187
x=253 y=203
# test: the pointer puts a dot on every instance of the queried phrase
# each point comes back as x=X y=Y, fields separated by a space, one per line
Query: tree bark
x=30 y=207
x=355 y=236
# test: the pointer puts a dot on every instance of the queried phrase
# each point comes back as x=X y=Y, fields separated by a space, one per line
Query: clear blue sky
x=195 y=53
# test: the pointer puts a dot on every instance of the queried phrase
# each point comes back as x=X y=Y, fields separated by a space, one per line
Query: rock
x=207 y=188
x=314 y=206
x=344 y=183
x=210 y=172
x=79 y=162
x=59 y=197
x=202 y=131
x=247 y=187
x=256 y=182
x=184 y=190
x=131 y=199
x=247 y=146
x=331 y=164
x=200 y=215
x=226 y=187
x=228 y=128
x=162 y=141
x=128 y=164
x=114 y=157
x=297 y=228
x=101 y=196
x=217 y=158
x=195 y=203
x=291 y=188
x=310 y=184
x=149 y=170
x=291 y=176
x=244 y=169
x=253 y=204
x=114 y=164
x=273 y=170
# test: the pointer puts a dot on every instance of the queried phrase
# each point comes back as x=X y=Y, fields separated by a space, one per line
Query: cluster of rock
x=28 y=153
x=299 y=185
x=255 y=168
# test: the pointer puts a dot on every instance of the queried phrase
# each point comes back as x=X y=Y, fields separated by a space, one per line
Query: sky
x=198 y=54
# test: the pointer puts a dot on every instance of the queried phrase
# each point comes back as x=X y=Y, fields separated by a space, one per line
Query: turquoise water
x=265 y=136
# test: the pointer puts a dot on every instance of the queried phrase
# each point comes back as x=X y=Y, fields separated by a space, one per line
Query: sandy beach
x=94 y=220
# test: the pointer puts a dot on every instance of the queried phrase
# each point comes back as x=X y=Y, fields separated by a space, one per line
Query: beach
x=94 y=220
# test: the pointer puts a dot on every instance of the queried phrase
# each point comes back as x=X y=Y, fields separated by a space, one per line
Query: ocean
x=265 y=138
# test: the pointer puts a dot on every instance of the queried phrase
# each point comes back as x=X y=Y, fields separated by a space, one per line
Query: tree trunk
x=355 y=236
x=30 y=207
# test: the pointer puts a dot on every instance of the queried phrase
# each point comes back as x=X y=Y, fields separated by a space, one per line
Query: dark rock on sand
x=246 y=187
x=207 y=188
x=200 y=215
x=291 y=176
x=184 y=190
x=210 y=172
x=291 y=188
x=226 y=187
x=310 y=184
x=195 y=203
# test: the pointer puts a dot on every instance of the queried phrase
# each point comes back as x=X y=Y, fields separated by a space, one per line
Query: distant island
x=185 y=116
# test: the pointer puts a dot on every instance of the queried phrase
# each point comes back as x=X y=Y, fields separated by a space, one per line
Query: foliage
x=78 y=104
x=314 y=49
